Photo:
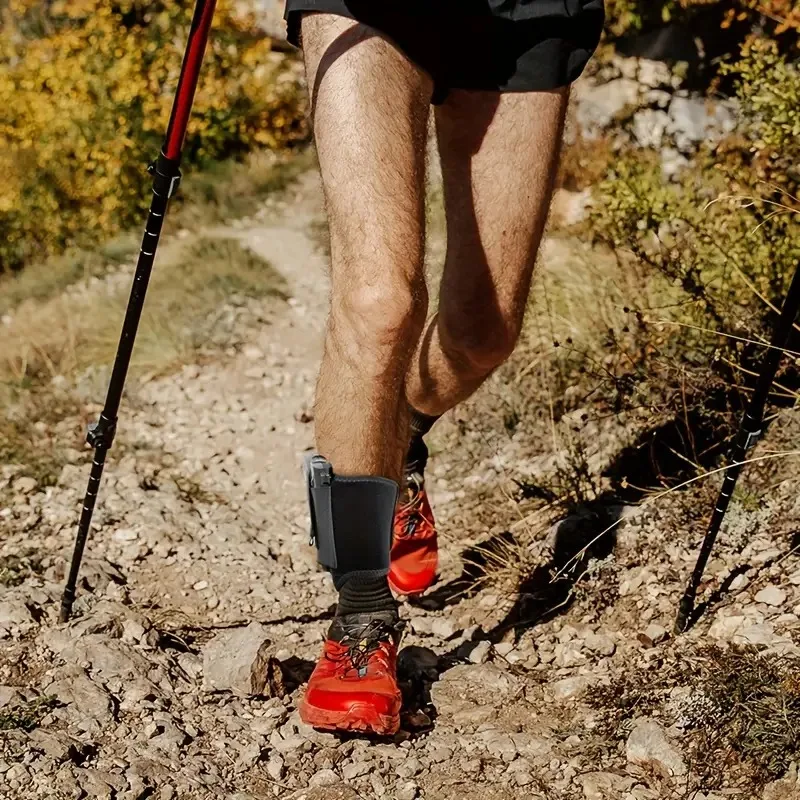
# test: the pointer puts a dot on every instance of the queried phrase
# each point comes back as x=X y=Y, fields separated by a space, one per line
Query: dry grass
x=61 y=319
x=737 y=705
x=227 y=190
x=190 y=286
x=49 y=279
x=31 y=437
x=235 y=189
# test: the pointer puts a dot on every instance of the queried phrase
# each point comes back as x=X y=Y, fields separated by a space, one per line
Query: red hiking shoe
x=354 y=685
x=415 y=548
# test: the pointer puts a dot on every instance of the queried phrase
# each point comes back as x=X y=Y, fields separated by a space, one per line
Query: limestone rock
x=771 y=596
x=13 y=614
x=787 y=788
x=649 y=127
x=764 y=635
x=648 y=746
x=598 y=105
x=693 y=120
x=652 y=635
x=480 y=652
x=569 y=688
x=406 y=791
x=270 y=18
x=485 y=683
x=604 y=785
x=88 y=703
x=241 y=661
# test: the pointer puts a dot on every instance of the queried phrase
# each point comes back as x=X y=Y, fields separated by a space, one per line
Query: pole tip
x=685 y=612
x=66 y=607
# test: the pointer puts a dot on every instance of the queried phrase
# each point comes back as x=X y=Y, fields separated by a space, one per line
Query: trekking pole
x=166 y=177
x=747 y=436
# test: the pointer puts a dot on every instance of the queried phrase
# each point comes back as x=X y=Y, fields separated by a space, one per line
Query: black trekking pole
x=747 y=436
x=166 y=177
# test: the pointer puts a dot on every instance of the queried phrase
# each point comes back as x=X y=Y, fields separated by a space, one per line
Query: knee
x=372 y=322
x=477 y=345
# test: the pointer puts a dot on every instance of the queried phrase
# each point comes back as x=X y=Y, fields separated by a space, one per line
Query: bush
x=768 y=85
x=726 y=235
x=86 y=88
x=631 y=16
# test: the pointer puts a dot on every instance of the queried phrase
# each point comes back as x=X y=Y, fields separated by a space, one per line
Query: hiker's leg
x=370 y=106
x=499 y=155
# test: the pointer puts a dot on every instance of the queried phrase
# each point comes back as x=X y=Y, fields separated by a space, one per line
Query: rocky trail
x=201 y=607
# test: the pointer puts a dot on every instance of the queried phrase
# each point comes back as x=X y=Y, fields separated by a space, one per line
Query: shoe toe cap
x=341 y=699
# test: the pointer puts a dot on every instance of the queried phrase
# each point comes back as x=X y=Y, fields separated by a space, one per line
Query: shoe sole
x=360 y=717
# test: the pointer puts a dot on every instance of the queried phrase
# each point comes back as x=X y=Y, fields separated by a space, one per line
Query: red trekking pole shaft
x=166 y=177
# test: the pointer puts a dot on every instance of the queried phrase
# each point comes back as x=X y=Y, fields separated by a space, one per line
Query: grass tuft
x=27 y=716
x=191 y=289
x=16 y=567
x=738 y=704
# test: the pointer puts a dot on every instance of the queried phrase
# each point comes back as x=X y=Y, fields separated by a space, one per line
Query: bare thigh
x=370 y=109
x=499 y=157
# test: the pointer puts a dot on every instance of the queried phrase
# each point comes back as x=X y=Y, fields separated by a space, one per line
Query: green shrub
x=726 y=236
x=85 y=93
x=768 y=85
x=630 y=16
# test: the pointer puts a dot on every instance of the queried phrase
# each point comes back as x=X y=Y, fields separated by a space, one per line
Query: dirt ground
x=523 y=668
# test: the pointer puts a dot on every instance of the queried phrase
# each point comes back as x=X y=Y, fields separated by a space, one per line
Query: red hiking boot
x=415 y=548
x=354 y=685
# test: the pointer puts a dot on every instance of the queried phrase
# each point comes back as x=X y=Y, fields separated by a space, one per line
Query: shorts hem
x=543 y=59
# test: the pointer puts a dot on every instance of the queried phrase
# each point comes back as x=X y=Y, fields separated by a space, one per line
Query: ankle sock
x=363 y=594
x=420 y=424
x=417 y=456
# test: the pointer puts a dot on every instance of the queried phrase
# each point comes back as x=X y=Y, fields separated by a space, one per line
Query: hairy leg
x=370 y=120
x=499 y=157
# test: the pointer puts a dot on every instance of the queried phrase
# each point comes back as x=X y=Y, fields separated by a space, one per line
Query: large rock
x=764 y=635
x=89 y=704
x=787 y=788
x=693 y=120
x=270 y=18
x=14 y=614
x=107 y=658
x=649 y=127
x=471 y=694
x=771 y=596
x=597 y=106
x=605 y=785
x=241 y=661
x=648 y=746
x=569 y=688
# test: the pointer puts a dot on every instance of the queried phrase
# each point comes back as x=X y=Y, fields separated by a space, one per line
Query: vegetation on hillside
x=723 y=237
x=86 y=88
x=630 y=16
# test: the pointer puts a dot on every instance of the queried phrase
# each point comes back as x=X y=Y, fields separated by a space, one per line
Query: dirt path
x=201 y=533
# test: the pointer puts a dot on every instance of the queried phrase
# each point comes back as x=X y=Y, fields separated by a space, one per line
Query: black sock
x=417 y=457
x=363 y=594
x=420 y=423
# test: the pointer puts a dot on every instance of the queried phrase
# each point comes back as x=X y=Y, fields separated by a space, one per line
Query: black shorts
x=501 y=45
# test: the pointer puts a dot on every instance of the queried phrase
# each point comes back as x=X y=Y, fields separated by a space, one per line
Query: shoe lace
x=361 y=643
x=410 y=514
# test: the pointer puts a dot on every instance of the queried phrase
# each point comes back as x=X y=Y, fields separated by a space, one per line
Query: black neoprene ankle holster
x=351 y=518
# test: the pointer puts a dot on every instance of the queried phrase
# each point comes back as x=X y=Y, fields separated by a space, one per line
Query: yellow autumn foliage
x=86 y=88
